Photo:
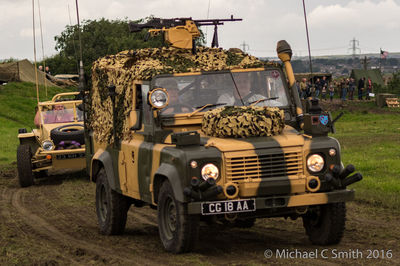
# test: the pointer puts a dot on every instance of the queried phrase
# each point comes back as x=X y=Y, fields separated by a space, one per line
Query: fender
x=103 y=158
x=25 y=138
x=171 y=173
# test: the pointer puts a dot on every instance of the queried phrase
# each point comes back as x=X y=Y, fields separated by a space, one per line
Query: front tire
x=245 y=223
x=24 y=165
x=178 y=230
x=111 y=207
x=325 y=224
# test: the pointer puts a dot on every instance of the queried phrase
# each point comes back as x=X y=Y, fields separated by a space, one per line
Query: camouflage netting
x=125 y=67
x=245 y=121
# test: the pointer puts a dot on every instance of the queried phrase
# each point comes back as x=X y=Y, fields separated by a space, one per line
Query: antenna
x=308 y=40
x=73 y=41
x=44 y=60
x=81 y=71
x=34 y=50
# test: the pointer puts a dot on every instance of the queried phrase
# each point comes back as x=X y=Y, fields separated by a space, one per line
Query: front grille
x=262 y=165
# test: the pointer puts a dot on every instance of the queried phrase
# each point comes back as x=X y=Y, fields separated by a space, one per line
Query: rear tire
x=178 y=230
x=111 y=207
x=325 y=224
x=24 y=164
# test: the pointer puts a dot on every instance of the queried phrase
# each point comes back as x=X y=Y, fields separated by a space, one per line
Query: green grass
x=17 y=110
x=371 y=142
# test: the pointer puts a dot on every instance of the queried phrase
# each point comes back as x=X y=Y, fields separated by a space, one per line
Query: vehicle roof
x=144 y=64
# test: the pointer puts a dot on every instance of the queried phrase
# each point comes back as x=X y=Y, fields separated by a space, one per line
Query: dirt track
x=54 y=223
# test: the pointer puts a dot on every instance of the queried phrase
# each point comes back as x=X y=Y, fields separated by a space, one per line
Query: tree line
x=99 y=38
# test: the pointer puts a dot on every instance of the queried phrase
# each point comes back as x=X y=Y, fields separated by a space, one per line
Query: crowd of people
x=347 y=88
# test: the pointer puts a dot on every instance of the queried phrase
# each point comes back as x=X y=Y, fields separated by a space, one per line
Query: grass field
x=17 y=110
x=371 y=142
x=369 y=137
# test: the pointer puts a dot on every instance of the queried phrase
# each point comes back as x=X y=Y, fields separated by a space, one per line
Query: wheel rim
x=103 y=204
x=169 y=215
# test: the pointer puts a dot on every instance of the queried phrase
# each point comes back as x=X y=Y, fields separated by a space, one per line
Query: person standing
x=360 y=87
x=303 y=88
x=47 y=70
x=369 y=88
x=343 y=85
x=324 y=87
x=317 y=87
x=351 y=89
x=310 y=88
x=331 y=91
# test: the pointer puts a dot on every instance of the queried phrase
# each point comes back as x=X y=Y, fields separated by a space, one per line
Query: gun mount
x=180 y=32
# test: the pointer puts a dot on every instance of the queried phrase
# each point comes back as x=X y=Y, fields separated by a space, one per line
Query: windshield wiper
x=199 y=108
x=262 y=100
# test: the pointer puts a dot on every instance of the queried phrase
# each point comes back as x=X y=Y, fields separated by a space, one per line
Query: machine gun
x=180 y=32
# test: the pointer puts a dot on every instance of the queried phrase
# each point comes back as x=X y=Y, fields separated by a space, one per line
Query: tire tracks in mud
x=42 y=227
x=12 y=221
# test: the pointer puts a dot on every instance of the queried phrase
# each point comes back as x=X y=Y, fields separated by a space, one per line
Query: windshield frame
x=51 y=104
x=230 y=72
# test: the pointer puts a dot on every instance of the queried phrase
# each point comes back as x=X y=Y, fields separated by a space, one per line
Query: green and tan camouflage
x=242 y=122
x=195 y=151
x=129 y=67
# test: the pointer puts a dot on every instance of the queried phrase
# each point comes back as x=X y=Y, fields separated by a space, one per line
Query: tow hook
x=202 y=190
x=339 y=178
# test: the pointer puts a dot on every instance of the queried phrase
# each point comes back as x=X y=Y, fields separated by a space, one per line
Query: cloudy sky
x=332 y=23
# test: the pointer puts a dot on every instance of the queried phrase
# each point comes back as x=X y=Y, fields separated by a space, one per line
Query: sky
x=332 y=24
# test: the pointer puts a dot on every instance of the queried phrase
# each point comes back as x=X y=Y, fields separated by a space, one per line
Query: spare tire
x=68 y=132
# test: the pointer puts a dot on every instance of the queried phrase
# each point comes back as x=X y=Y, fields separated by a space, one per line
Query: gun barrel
x=213 y=22
x=157 y=23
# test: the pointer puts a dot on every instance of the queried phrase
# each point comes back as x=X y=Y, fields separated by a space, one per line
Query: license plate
x=69 y=156
x=228 y=206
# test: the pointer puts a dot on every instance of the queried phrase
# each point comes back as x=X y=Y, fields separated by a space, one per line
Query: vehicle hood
x=288 y=138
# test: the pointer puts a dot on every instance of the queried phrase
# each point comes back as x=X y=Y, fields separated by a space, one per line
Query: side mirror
x=135 y=119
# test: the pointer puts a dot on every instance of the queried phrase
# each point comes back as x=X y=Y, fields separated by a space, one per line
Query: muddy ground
x=54 y=223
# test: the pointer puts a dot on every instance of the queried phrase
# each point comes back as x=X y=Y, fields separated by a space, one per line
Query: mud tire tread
x=115 y=220
x=24 y=165
x=331 y=226
x=186 y=234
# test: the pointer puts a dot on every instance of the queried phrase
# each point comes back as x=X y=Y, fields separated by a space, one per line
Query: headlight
x=48 y=145
x=315 y=163
x=209 y=171
x=158 y=98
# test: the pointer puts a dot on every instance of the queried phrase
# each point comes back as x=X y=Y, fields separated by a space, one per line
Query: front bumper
x=59 y=159
x=306 y=199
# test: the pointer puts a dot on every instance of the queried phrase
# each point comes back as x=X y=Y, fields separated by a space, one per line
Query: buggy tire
x=178 y=230
x=111 y=207
x=68 y=133
x=245 y=223
x=24 y=165
x=325 y=224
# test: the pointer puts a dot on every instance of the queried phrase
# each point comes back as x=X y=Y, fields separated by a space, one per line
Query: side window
x=141 y=98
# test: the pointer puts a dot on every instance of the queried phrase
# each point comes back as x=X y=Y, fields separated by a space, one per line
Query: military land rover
x=205 y=132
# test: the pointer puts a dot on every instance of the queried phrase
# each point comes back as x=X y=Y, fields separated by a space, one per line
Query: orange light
x=331 y=166
x=48 y=157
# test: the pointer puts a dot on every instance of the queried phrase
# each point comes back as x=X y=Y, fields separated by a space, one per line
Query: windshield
x=188 y=93
x=59 y=114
